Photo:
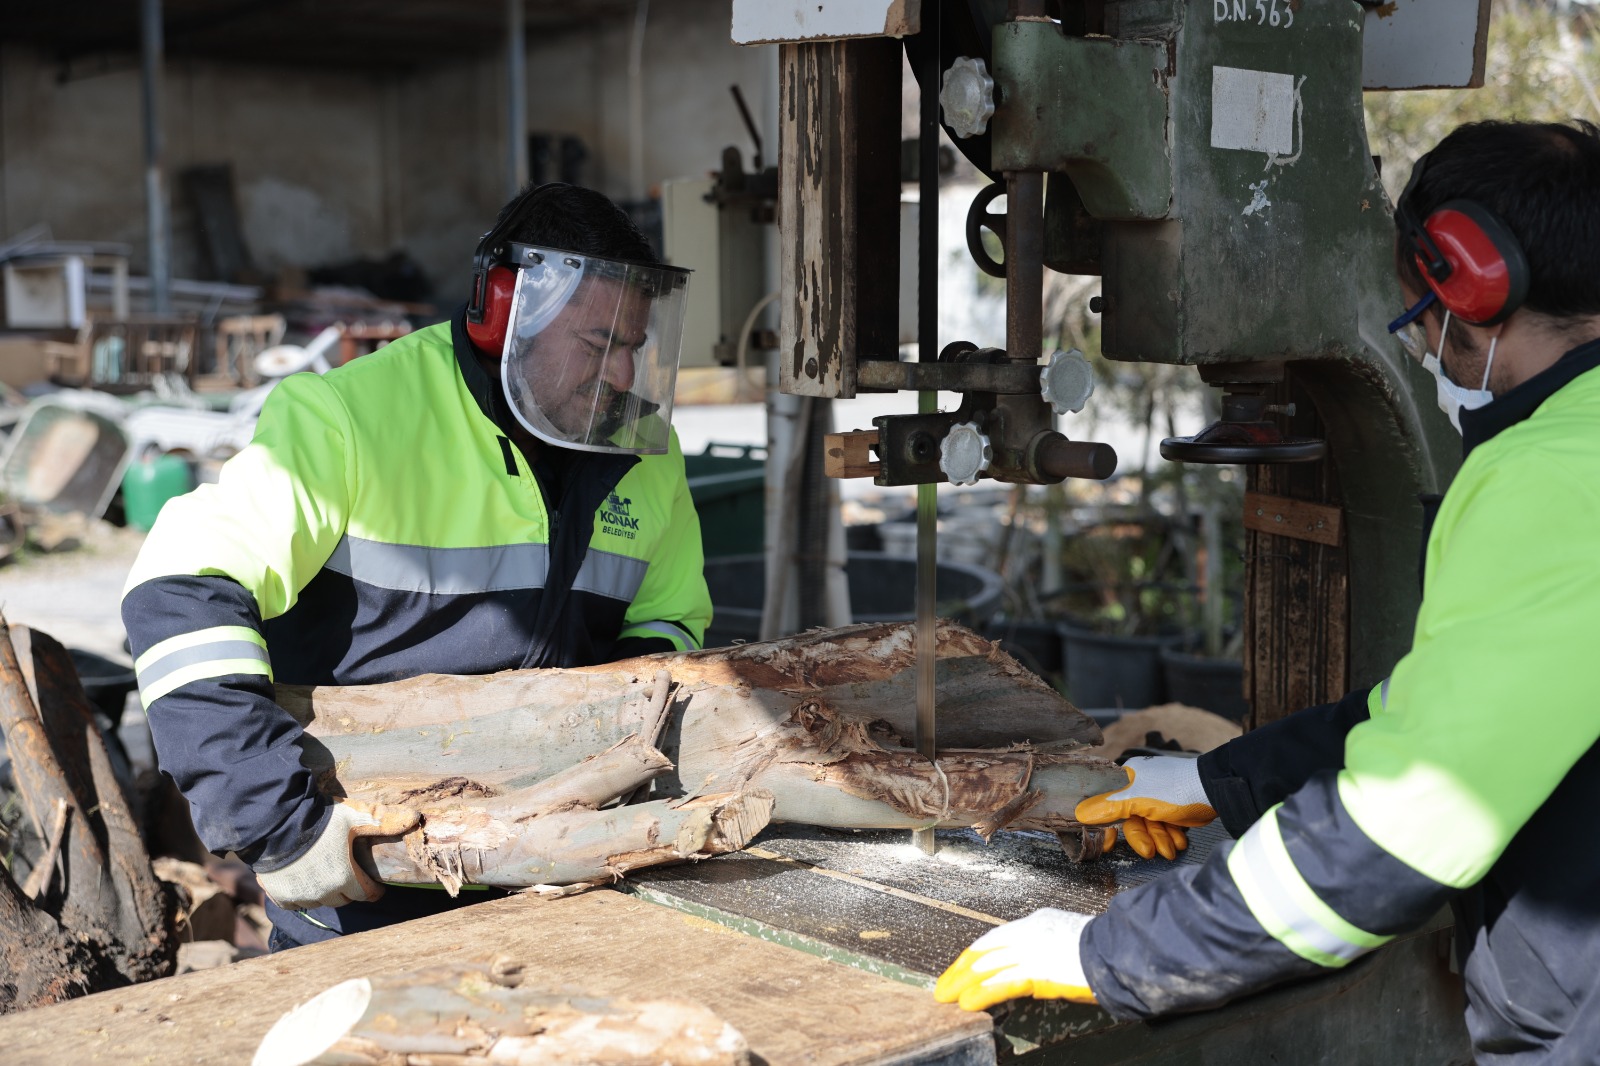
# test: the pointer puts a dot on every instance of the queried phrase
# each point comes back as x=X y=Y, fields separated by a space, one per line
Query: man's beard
x=602 y=415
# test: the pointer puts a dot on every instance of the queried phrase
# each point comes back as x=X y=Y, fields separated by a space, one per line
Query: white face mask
x=1453 y=398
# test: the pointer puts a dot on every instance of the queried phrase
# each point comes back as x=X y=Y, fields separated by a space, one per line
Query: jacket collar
x=484 y=388
x=1506 y=410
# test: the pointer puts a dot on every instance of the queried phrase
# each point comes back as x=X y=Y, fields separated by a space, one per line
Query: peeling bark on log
x=95 y=916
x=479 y=1015
x=809 y=729
x=474 y=844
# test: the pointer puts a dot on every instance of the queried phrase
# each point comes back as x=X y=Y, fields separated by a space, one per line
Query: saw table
x=820 y=946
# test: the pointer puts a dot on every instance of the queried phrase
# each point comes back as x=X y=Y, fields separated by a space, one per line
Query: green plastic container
x=728 y=483
x=149 y=483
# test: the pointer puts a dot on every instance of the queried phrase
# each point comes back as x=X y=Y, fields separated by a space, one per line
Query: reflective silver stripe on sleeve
x=671 y=630
x=606 y=574
x=1383 y=694
x=1286 y=906
x=217 y=651
x=218 y=658
x=442 y=571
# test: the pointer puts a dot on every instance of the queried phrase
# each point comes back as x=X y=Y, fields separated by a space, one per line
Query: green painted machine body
x=1221 y=182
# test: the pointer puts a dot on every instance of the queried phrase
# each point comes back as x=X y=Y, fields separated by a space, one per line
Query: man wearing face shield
x=1471 y=775
x=500 y=491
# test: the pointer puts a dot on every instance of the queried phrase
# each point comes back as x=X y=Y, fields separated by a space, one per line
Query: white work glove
x=329 y=874
x=1164 y=796
x=1035 y=956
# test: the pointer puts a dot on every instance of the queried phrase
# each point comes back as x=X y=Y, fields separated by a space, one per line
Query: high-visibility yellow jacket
x=1470 y=776
x=380 y=525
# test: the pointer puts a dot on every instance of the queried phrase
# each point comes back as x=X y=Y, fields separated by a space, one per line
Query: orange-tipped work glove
x=1163 y=798
x=328 y=874
x=1035 y=956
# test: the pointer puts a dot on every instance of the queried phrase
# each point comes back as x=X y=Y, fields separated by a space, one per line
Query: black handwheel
x=1289 y=450
x=979 y=218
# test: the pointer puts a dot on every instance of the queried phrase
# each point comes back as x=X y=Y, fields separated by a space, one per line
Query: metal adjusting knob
x=964 y=453
x=967 y=96
x=1067 y=381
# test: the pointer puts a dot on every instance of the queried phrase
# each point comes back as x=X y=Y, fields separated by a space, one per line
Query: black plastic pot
x=1215 y=685
x=882 y=589
x=1105 y=670
x=1035 y=644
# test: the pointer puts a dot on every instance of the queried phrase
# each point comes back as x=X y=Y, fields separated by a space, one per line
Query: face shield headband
x=591 y=351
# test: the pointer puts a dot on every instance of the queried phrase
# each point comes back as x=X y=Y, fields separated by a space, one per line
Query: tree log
x=480 y=1015
x=95 y=915
x=40 y=961
x=809 y=729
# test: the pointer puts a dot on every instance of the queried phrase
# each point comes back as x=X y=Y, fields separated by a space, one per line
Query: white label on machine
x=1252 y=110
x=766 y=21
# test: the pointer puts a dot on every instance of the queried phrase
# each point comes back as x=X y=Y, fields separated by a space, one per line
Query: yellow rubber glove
x=1035 y=956
x=328 y=874
x=1163 y=798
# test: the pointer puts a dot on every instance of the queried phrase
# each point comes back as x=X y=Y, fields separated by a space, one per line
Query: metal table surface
x=873 y=901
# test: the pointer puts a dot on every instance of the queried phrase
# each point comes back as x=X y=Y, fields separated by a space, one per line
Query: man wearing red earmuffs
x=1471 y=775
x=500 y=491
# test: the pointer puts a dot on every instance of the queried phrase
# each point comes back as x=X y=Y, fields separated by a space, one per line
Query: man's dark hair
x=1543 y=180
x=574 y=219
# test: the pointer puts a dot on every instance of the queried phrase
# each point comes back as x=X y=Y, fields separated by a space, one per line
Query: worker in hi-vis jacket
x=503 y=490
x=1470 y=775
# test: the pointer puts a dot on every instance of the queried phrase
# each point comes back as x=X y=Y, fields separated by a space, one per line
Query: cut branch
x=39 y=879
x=472 y=844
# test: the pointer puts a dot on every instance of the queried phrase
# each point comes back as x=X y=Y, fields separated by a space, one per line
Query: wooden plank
x=1285 y=517
x=849 y=454
x=1297 y=591
x=838 y=211
x=786 y=1003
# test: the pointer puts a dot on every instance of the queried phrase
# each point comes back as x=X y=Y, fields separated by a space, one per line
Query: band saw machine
x=1209 y=162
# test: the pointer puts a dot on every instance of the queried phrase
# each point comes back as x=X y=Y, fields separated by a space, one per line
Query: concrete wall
x=578 y=83
x=331 y=165
x=450 y=162
x=303 y=145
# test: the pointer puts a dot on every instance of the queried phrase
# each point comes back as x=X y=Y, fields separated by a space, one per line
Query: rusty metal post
x=516 y=99
x=152 y=48
x=1024 y=266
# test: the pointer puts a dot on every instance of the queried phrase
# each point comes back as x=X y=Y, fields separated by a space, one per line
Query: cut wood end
x=313 y=1027
x=731 y=820
x=737 y=823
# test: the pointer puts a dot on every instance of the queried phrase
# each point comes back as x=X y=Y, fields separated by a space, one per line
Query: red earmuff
x=1475 y=265
x=489 y=336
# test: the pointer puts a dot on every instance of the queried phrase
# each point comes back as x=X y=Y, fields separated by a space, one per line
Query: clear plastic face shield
x=591 y=353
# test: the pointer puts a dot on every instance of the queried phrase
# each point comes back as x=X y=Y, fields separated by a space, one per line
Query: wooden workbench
x=792 y=1007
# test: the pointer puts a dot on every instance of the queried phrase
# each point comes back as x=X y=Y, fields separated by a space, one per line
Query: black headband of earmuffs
x=493 y=247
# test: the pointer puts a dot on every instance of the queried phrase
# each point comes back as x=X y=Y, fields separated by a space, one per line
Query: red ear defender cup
x=489 y=336
x=493 y=282
x=1484 y=275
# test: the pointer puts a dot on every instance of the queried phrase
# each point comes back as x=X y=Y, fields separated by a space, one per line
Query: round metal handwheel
x=979 y=218
x=1286 y=450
